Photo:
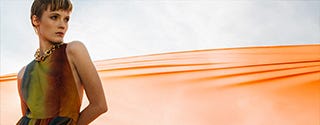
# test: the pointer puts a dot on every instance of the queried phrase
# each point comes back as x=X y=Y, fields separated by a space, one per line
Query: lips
x=60 y=33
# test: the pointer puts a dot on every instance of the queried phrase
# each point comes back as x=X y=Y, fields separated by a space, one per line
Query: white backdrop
x=123 y=28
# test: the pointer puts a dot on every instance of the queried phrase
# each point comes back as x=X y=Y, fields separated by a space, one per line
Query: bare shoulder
x=76 y=50
x=75 y=46
x=21 y=72
x=77 y=54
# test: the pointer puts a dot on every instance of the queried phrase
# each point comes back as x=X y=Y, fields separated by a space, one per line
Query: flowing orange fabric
x=274 y=85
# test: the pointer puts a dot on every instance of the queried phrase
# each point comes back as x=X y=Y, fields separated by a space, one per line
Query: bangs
x=61 y=5
x=39 y=6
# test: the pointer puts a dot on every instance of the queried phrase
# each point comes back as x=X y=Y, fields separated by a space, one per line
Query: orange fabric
x=276 y=85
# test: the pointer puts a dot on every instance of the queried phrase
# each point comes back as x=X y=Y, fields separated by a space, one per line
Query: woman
x=51 y=86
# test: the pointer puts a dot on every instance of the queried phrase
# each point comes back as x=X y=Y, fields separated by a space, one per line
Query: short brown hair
x=39 y=6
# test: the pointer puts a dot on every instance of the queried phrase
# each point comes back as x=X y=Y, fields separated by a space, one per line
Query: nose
x=62 y=24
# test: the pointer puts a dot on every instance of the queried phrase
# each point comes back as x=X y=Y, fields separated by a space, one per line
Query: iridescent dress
x=48 y=92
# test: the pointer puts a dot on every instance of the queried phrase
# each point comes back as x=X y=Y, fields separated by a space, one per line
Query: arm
x=22 y=102
x=91 y=82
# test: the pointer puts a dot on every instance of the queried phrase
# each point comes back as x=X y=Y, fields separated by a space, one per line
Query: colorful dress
x=48 y=92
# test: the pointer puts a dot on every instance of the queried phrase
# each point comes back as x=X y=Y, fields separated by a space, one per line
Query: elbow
x=102 y=108
x=99 y=109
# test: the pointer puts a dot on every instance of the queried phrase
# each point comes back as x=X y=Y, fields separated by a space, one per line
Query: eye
x=66 y=19
x=54 y=17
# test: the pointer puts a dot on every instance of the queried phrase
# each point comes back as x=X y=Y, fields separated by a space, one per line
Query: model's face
x=53 y=25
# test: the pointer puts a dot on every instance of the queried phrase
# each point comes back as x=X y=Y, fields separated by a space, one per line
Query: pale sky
x=123 y=28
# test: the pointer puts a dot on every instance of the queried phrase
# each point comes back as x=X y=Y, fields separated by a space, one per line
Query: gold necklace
x=46 y=53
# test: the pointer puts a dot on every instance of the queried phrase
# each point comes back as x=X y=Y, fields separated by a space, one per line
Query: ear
x=35 y=20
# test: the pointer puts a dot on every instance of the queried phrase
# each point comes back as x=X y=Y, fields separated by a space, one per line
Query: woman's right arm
x=19 y=80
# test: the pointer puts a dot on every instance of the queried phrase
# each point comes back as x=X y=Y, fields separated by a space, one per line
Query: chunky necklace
x=46 y=53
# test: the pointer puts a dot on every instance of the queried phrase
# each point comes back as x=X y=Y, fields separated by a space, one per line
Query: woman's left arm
x=91 y=82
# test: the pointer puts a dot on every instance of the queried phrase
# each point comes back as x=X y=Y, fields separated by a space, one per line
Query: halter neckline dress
x=48 y=92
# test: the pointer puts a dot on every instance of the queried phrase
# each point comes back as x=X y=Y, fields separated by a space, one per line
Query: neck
x=45 y=45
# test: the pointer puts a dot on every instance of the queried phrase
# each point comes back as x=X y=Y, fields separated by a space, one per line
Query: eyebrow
x=55 y=13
